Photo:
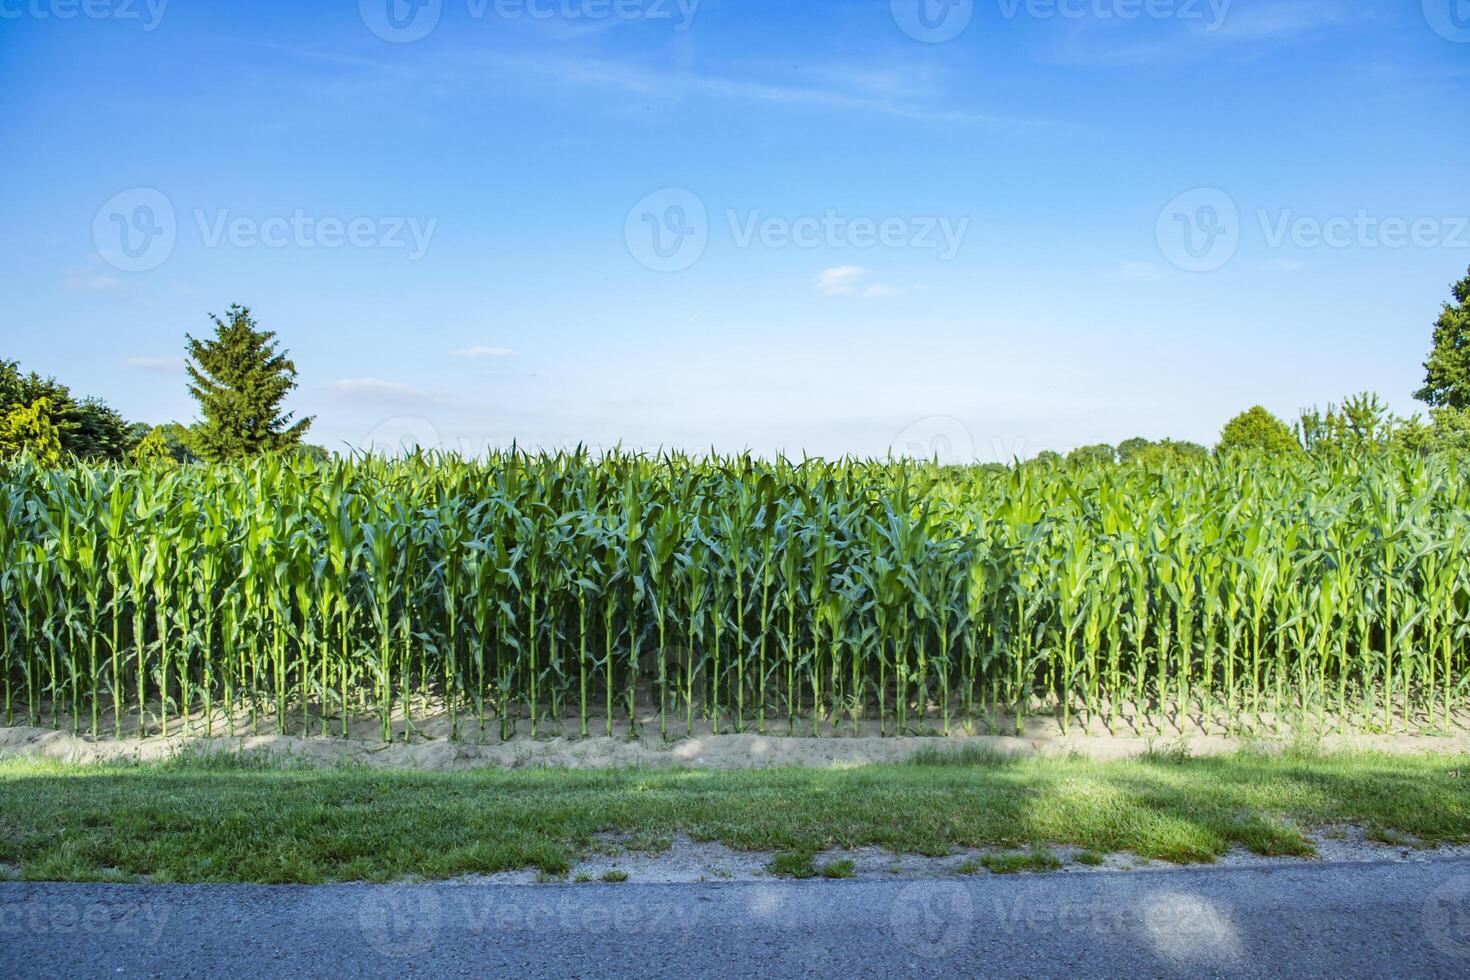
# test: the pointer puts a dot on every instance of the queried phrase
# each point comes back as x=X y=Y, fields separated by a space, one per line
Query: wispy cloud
x=841 y=280
x=483 y=352
x=906 y=91
x=851 y=280
x=836 y=88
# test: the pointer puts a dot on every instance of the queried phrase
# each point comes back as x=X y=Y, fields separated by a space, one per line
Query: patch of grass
x=793 y=864
x=969 y=867
x=1170 y=754
x=615 y=876
x=194 y=758
x=838 y=869
x=1010 y=864
x=583 y=878
x=1090 y=858
x=222 y=821
x=972 y=756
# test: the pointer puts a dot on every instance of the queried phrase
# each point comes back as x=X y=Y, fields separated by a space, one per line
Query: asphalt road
x=1328 y=921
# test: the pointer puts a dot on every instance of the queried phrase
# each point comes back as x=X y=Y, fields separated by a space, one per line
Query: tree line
x=240 y=378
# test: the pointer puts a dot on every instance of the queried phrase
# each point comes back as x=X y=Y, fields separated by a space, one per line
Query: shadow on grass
x=230 y=819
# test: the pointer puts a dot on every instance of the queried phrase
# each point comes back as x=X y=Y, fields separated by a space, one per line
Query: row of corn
x=563 y=592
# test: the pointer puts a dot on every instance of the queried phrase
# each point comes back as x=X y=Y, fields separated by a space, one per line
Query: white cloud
x=482 y=351
x=1143 y=271
x=848 y=280
x=156 y=365
x=842 y=280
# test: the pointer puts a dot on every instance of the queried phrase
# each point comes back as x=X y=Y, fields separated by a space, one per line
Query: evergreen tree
x=240 y=380
x=1447 y=372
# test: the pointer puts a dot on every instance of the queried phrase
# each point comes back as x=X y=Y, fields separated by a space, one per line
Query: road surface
x=1399 y=919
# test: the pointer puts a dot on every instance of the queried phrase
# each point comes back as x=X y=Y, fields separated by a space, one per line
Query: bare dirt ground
x=430 y=745
x=684 y=860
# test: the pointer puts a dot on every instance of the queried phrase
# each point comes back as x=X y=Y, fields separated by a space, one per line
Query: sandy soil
x=685 y=860
x=646 y=749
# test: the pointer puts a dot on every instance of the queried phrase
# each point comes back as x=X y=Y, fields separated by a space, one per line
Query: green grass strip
x=219 y=821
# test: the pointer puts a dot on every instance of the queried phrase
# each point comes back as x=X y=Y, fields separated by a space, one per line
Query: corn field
x=565 y=593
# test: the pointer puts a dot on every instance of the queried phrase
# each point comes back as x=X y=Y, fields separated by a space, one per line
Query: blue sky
x=1004 y=226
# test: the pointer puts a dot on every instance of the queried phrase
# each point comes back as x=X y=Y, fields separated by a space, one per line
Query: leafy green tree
x=1257 y=430
x=1087 y=456
x=1130 y=449
x=153 y=450
x=1047 y=458
x=32 y=428
x=1447 y=372
x=240 y=380
x=1361 y=422
x=1450 y=429
x=90 y=429
x=178 y=439
x=1169 y=451
x=1154 y=454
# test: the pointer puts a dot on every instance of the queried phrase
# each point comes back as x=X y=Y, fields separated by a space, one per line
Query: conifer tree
x=240 y=380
